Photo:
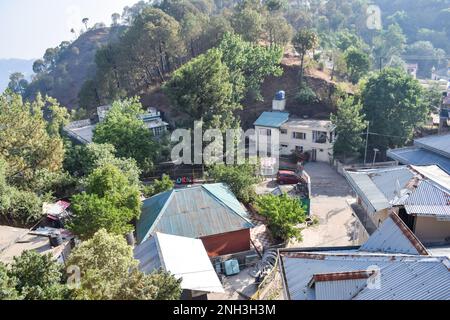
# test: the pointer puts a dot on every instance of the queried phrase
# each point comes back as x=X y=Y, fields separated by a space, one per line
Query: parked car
x=288 y=177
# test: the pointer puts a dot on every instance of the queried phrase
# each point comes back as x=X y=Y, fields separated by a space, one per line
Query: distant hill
x=8 y=66
x=75 y=64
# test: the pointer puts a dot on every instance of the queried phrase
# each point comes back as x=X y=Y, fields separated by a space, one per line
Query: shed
x=208 y=212
x=185 y=258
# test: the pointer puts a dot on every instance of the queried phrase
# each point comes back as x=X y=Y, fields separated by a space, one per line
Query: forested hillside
x=151 y=39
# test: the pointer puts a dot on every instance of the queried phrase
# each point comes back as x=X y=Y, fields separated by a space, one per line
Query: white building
x=276 y=130
x=83 y=131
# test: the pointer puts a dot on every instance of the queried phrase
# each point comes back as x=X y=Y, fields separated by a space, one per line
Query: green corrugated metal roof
x=192 y=212
x=273 y=119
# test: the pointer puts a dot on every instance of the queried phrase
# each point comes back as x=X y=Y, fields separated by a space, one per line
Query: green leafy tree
x=350 y=123
x=202 y=89
x=17 y=83
x=109 y=272
x=39 y=66
x=390 y=42
x=240 y=178
x=159 y=285
x=159 y=186
x=25 y=142
x=433 y=98
x=304 y=42
x=393 y=104
x=278 y=30
x=358 y=63
x=124 y=129
x=247 y=20
x=20 y=208
x=110 y=202
x=7 y=285
x=249 y=64
x=83 y=160
x=283 y=214
x=39 y=277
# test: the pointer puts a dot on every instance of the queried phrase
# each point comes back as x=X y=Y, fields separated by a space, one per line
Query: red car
x=288 y=177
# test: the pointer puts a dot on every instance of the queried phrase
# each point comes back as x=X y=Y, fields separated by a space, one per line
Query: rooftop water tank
x=280 y=95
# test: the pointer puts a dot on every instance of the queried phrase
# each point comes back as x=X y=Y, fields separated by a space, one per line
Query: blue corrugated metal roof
x=419 y=157
x=428 y=199
x=439 y=144
x=193 y=212
x=272 y=119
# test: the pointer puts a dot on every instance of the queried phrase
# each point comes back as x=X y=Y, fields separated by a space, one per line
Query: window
x=299 y=135
x=299 y=149
x=265 y=132
x=284 y=146
x=283 y=131
x=319 y=137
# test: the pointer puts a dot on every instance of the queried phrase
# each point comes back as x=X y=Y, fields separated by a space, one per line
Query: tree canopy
x=109 y=272
x=124 y=129
x=350 y=123
x=110 y=202
x=28 y=142
x=283 y=213
x=393 y=104
x=203 y=90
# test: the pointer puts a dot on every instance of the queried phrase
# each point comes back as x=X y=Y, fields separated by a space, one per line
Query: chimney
x=279 y=102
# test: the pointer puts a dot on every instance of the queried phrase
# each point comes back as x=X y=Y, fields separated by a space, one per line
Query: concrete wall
x=227 y=243
x=379 y=217
x=430 y=230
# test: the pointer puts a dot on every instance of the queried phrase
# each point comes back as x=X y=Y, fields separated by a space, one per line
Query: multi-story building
x=276 y=130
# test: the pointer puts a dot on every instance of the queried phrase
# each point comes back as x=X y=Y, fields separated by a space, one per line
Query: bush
x=306 y=95
x=158 y=186
x=240 y=178
x=39 y=277
x=283 y=213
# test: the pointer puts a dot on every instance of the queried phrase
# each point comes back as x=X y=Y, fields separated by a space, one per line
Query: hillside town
x=230 y=160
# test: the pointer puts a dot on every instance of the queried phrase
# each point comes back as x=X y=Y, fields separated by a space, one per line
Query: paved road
x=331 y=195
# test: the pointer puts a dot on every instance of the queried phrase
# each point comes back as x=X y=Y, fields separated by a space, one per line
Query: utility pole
x=367 y=143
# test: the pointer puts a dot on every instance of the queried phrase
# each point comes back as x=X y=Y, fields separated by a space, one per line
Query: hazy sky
x=28 y=27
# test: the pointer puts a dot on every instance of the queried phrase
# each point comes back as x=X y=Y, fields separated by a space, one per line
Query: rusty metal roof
x=193 y=212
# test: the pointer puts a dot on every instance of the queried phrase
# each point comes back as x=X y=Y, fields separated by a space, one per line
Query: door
x=314 y=155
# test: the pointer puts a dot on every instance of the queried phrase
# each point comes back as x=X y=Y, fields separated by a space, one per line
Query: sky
x=29 y=27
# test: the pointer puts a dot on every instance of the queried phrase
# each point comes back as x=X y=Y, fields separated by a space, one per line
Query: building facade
x=277 y=132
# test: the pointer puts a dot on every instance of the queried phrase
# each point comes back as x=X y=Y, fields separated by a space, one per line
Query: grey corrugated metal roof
x=387 y=179
x=193 y=212
x=398 y=267
x=438 y=144
x=419 y=157
x=394 y=237
x=377 y=187
x=428 y=199
x=402 y=277
x=423 y=190
x=274 y=119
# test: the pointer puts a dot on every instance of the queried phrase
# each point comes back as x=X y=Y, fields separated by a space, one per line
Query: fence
x=340 y=167
x=271 y=287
